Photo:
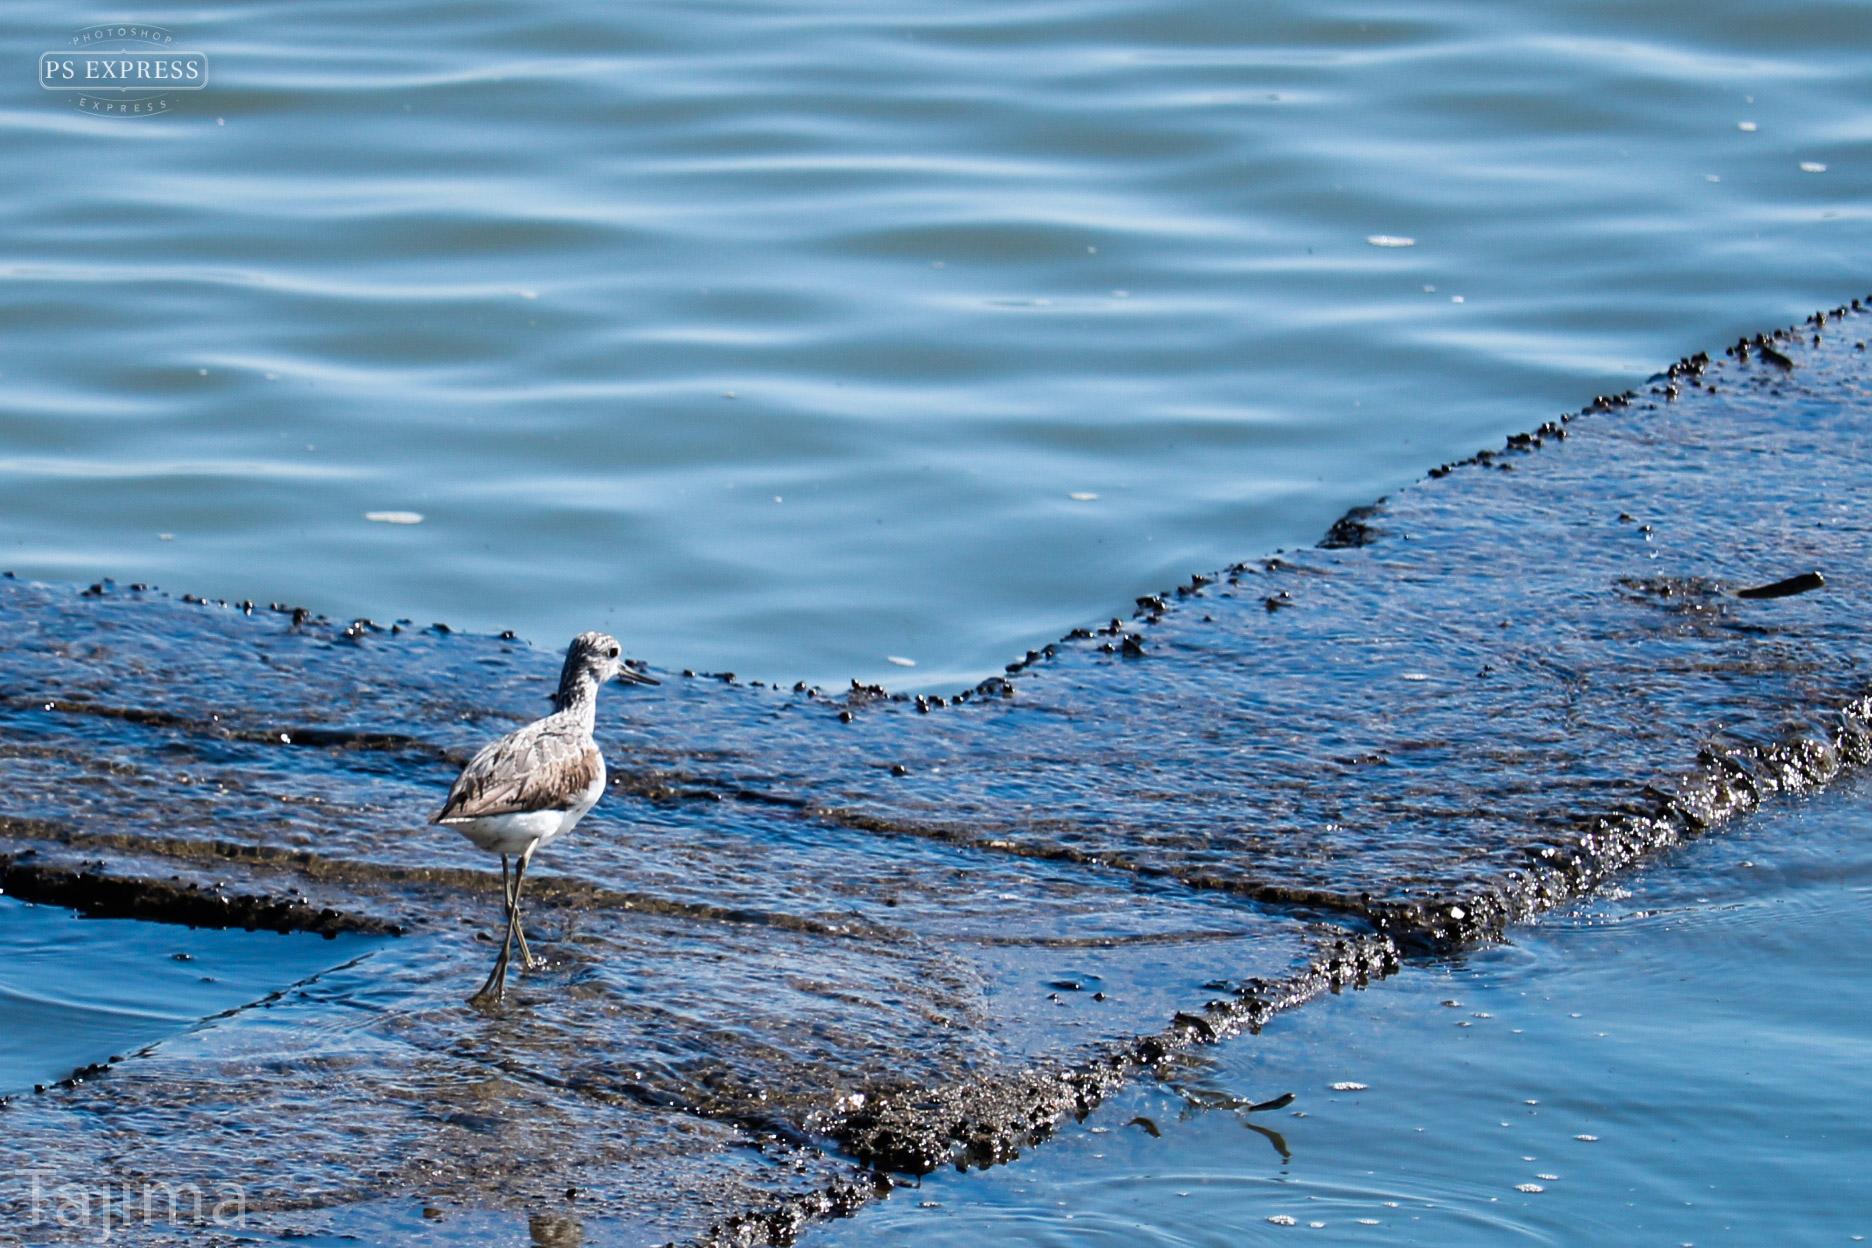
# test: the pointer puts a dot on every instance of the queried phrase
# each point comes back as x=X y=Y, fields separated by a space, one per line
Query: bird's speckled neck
x=578 y=696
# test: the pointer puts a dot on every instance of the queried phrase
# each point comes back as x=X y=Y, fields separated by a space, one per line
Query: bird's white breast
x=513 y=833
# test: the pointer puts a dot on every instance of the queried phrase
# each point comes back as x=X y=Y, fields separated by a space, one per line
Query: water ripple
x=525 y=256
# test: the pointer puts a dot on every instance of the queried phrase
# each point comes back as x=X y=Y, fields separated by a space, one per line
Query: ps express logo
x=123 y=69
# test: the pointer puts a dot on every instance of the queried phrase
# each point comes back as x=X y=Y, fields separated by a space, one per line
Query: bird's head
x=598 y=657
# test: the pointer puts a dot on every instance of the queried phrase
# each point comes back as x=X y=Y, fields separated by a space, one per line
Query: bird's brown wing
x=544 y=766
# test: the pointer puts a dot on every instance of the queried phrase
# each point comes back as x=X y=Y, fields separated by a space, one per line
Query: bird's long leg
x=495 y=989
x=527 y=961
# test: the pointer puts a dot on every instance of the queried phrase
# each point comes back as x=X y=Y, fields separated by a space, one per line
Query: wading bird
x=535 y=783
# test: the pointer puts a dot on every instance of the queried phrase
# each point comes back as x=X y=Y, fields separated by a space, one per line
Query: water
x=794 y=340
x=1684 y=1060
x=76 y=991
x=781 y=338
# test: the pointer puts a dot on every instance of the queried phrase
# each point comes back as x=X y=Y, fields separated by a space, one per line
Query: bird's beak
x=631 y=677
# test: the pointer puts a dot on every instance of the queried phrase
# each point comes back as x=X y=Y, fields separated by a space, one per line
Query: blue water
x=829 y=340
x=794 y=338
x=1681 y=1061
x=77 y=991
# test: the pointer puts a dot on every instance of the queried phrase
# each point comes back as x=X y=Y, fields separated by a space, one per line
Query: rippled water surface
x=1685 y=1061
x=789 y=338
x=819 y=340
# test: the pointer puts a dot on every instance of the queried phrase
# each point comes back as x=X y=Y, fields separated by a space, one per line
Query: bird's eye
x=614 y=652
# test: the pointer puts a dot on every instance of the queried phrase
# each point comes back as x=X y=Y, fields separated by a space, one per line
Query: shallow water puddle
x=75 y=991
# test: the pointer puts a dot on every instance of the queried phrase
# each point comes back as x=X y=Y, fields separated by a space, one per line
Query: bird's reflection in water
x=1274 y=1137
x=1197 y=1097
x=552 y=1230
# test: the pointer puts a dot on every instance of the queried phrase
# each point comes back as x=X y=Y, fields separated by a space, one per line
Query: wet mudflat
x=1682 y=1059
x=813 y=937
